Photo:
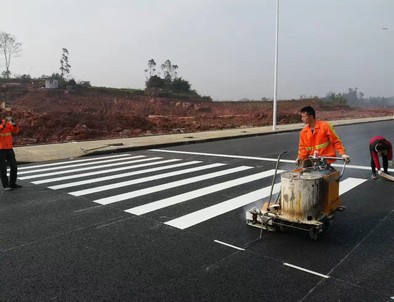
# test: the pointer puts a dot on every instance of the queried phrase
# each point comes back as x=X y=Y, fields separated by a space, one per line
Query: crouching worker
x=8 y=127
x=318 y=137
x=379 y=146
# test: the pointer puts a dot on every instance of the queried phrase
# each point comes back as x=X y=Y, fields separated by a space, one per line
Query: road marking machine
x=307 y=200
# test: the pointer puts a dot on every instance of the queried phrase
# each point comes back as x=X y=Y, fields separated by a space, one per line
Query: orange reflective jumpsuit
x=6 y=132
x=7 y=154
x=324 y=139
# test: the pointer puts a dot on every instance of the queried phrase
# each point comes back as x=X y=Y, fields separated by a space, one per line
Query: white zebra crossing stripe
x=349 y=183
x=83 y=169
x=99 y=179
x=83 y=164
x=141 y=180
x=182 y=222
x=196 y=217
x=64 y=163
x=163 y=203
x=63 y=178
x=169 y=185
x=199 y=216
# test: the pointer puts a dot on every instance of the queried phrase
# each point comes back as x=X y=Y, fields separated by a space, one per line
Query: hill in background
x=53 y=116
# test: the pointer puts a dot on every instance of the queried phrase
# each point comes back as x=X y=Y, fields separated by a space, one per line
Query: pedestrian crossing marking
x=349 y=183
x=133 y=173
x=199 y=216
x=170 y=201
x=64 y=163
x=62 y=178
x=81 y=164
x=67 y=172
x=76 y=170
x=141 y=180
x=166 y=186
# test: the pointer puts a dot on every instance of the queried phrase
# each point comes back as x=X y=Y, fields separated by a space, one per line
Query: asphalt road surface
x=169 y=225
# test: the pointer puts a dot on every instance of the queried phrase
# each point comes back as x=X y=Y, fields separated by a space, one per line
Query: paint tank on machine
x=302 y=196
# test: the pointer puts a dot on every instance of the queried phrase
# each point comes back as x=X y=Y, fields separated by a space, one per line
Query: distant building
x=51 y=84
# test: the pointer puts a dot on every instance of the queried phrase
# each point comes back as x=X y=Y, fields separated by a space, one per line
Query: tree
x=64 y=65
x=180 y=85
x=170 y=82
x=169 y=71
x=151 y=68
x=155 y=82
x=10 y=47
x=336 y=99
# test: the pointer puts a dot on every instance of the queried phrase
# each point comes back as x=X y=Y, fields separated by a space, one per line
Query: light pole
x=276 y=67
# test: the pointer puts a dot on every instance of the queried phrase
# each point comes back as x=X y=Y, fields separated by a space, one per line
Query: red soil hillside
x=48 y=116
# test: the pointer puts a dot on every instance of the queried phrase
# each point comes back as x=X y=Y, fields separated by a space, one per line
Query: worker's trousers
x=385 y=161
x=8 y=156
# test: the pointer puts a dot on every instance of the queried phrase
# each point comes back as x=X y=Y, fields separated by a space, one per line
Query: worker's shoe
x=15 y=186
x=7 y=189
x=373 y=177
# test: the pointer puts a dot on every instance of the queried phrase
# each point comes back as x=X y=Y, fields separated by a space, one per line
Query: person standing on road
x=8 y=127
x=318 y=137
x=379 y=146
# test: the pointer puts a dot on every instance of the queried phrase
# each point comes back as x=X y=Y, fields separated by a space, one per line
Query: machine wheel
x=315 y=232
x=281 y=228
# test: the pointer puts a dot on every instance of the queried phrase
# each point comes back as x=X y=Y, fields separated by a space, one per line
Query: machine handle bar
x=334 y=158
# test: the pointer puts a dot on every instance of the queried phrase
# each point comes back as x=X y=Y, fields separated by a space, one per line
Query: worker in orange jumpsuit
x=318 y=138
x=7 y=155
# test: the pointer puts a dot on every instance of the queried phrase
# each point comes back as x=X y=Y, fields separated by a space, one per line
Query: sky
x=224 y=48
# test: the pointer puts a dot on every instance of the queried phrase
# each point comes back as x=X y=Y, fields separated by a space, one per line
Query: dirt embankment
x=47 y=116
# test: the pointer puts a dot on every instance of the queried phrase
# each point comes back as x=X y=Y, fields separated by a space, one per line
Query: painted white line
x=349 y=183
x=109 y=177
x=194 y=218
x=256 y=158
x=70 y=162
x=229 y=245
x=197 y=217
x=82 y=165
x=163 y=203
x=169 y=185
x=63 y=178
x=306 y=270
x=141 y=180
x=223 y=155
x=76 y=170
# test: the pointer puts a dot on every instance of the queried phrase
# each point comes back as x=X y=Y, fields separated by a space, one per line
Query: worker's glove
x=298 y=162
x=346 y=158
x=390 y=163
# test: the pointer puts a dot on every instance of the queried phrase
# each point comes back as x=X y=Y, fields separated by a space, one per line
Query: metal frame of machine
x=307 y=199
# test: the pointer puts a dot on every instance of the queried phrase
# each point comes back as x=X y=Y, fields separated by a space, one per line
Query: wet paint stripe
x=305 y=270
